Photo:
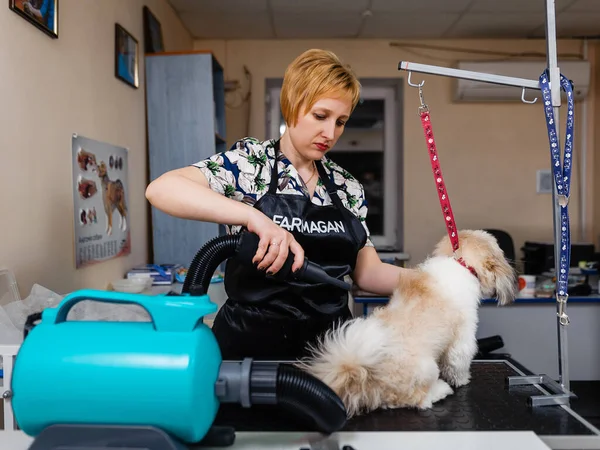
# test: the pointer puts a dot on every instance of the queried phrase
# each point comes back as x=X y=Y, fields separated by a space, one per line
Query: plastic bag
x=14 y=315
x=39 y=299
x=89 y=310
x=9 y=334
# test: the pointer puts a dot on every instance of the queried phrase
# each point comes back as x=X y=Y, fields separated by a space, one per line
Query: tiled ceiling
x=387 y=19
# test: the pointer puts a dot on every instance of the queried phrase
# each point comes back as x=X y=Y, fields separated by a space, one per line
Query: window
x=370 y=150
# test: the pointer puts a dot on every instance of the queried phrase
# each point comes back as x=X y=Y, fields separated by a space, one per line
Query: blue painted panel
x=181 y=131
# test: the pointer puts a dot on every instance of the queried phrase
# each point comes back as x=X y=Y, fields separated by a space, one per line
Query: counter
x=491 y=440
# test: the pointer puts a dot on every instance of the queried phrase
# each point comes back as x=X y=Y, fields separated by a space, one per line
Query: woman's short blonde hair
x=311 y=76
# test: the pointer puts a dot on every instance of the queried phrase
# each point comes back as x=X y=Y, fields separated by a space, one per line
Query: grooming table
x=483 y=414
x=486 y=404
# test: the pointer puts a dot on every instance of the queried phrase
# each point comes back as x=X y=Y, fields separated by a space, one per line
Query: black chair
x=489 y=344
x=486 y=345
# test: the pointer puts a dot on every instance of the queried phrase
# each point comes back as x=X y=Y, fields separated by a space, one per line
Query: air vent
x=544 y=181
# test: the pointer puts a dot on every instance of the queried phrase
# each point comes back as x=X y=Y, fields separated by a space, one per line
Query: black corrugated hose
x=306 y=396
x=206 y=261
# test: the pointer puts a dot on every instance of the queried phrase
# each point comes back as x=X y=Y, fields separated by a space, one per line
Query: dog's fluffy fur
x=414 y=350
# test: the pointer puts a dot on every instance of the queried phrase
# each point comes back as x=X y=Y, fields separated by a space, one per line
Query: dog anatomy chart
x=100 y=193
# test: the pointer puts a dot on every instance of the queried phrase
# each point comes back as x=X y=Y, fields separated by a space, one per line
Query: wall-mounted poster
x=41 y=13
x=126 y=57
x=100 y=193
x=153 y=38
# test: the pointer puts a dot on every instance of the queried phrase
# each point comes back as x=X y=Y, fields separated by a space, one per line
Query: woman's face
x=318 y=131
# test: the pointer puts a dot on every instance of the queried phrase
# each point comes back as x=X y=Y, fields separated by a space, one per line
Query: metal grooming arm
x=474 y=76
x=560 y=391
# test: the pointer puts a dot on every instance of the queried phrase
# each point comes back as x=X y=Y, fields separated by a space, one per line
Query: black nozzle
x=309 y=272
x=315 y=274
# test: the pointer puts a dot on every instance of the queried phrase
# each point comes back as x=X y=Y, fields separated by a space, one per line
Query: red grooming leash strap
x=439 y=180
x=440 y=185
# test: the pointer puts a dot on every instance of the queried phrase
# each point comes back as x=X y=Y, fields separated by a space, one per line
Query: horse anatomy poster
x=100 y=193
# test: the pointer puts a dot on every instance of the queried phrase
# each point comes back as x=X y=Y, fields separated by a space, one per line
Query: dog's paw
x=440 y=391
x=425 y=405
x=437 y=392
x=457 y=380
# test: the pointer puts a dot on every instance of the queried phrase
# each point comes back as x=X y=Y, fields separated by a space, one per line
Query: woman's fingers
x=274 y=246
x=278 y=251
x=298 y=252
x=280 y=260
x=263 y=246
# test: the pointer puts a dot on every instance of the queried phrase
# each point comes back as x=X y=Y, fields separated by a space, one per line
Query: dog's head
x=480 y=250
x=86 y=159
x=102 y=169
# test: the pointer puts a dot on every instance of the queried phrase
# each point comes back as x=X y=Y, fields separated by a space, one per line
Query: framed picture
x=153 y=38
x=126 y=57
x=41 y=13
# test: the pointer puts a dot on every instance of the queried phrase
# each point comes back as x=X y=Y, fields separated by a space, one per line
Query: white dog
x=411 y=352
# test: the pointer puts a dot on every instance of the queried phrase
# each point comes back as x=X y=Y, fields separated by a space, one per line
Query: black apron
x=268 y=319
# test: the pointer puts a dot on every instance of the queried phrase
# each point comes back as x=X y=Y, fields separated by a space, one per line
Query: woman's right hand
x=275 y=244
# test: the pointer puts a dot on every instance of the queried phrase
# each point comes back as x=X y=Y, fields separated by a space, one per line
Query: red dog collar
x=464 y=264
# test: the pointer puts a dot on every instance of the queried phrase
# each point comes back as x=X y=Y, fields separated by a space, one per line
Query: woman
x=304 y=204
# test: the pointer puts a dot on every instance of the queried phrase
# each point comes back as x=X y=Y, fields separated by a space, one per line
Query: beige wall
x=489 y=152
x=51 y=89
x=594 y=162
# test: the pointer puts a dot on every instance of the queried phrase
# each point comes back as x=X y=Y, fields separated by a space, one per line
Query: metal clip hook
x=563 y=200
x=410 y=83
x=562 y=306
x=423 y=107
x=531 y=102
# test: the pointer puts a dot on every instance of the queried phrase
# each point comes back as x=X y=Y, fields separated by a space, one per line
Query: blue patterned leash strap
x=562 y=180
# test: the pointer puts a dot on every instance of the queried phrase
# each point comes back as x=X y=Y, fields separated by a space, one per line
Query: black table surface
x=486 y=404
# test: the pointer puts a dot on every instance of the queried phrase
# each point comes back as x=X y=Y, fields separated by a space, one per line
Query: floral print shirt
x=243 y=173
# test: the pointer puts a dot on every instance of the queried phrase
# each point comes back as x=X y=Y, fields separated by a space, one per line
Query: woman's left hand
x=275 y=244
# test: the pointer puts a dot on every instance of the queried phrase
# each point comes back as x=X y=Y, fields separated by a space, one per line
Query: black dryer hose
x=304 y=395
x=206 y=261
